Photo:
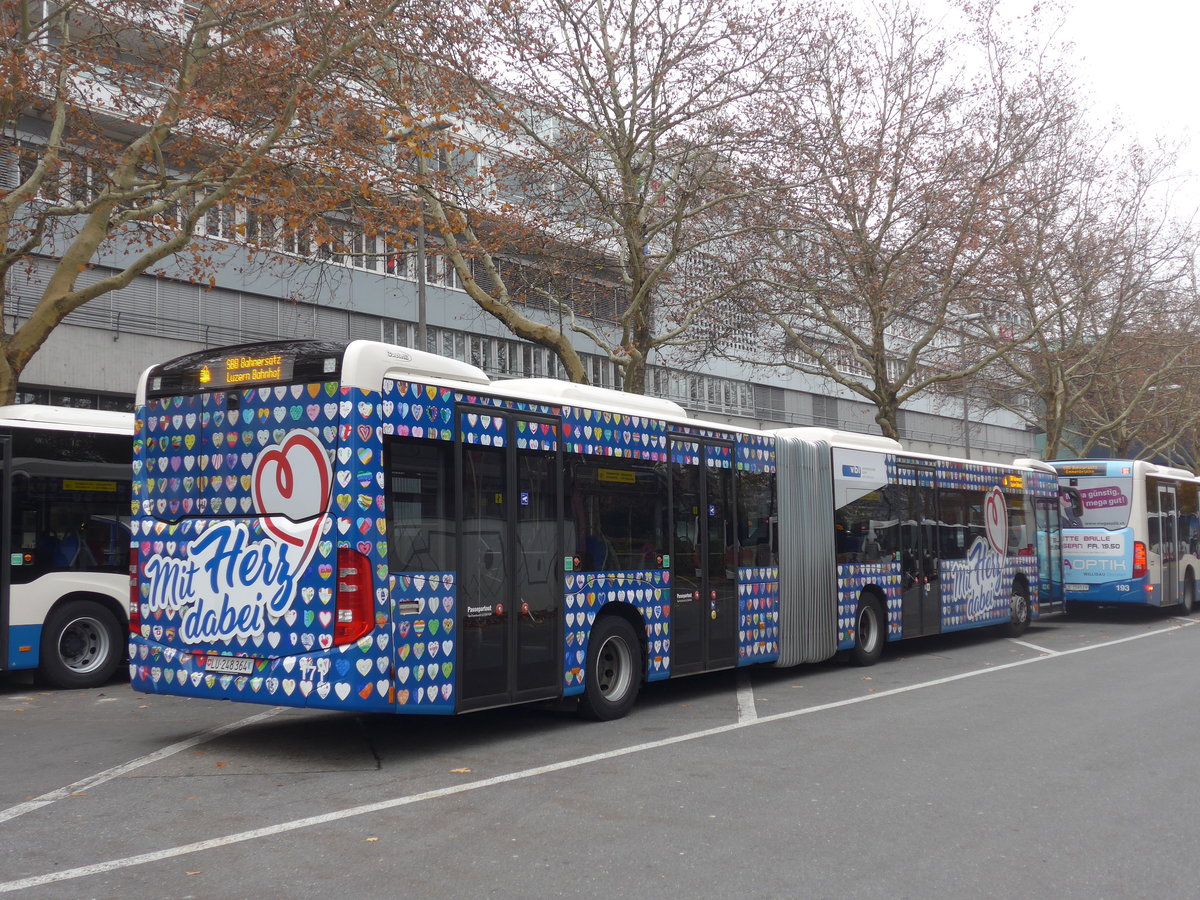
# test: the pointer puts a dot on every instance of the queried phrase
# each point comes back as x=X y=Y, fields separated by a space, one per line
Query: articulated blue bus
x=374 y=528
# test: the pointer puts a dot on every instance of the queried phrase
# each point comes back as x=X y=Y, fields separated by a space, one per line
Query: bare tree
x=908 y=153
x=1104 y=266
x=132 y=121
x=621 y=139
x=1140 y=405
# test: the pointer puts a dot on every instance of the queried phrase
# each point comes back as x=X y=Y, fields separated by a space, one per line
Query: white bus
x=64 y=514
x=1131 y=531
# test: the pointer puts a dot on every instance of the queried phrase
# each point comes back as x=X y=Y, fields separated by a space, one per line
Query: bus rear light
x=135 y=596
x=1139 y=560
x=354 y=611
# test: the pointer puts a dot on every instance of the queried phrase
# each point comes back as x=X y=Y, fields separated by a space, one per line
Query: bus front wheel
x=614 y=670
x=869 y=632
x=81 y=645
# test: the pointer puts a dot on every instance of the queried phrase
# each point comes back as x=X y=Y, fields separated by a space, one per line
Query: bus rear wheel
x=81 y=645
x=1019 y=612
x=1187 y=603
x=614 y=670
x=869 y=632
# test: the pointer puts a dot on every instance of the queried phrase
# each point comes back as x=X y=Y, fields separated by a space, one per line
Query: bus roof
x=849 y=439
x=366 y=363
x=853 y=440
x=65 y=418
x=555 y=392
x=1112 y=467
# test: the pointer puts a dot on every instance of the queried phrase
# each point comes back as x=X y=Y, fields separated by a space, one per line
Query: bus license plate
x=229 y=665
x=1076 y=588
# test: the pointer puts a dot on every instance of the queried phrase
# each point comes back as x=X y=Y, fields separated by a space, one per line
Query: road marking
x=1045 y=650
x=141 y=859
x=100 y=778
x=747 y=711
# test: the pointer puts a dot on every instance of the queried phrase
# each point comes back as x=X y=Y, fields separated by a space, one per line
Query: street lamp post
x=966 y=425
x=1168 y=451
x=969 y=318
x=406 y=136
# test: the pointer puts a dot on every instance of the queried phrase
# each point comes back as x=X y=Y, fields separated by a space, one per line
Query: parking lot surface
x=1055 y=765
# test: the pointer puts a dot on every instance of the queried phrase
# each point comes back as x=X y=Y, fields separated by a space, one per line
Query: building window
x=261 y=229
x=825 y=411
x=298 y=241
x=220 y=221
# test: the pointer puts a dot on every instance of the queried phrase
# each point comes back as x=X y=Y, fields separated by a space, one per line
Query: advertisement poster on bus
x=1091 y=557
x=1104 y=490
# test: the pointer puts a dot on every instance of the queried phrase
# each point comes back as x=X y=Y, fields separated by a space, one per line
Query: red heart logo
x=290 y=485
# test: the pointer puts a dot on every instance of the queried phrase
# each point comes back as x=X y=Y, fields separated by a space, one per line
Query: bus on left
x=64 y=518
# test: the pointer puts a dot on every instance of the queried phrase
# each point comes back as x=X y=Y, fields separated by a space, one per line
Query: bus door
x=1049 y=552
x=6 y=650
x=703 y=557
x=920 y=556
x=510 y=582
x=1168 y=535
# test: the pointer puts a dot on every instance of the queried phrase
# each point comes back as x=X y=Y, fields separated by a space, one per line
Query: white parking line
x=747 y=711
x=1035 y=647
x=438 y=793
x=99 y=778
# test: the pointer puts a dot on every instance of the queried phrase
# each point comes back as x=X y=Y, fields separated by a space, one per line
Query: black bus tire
x=1019 y=612
x=614 y=670
x=82 y=644
x=870 y=631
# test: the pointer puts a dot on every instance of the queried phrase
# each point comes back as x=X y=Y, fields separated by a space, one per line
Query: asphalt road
x=1061 y=765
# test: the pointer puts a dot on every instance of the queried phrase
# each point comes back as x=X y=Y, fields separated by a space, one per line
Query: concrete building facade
x=96 y=355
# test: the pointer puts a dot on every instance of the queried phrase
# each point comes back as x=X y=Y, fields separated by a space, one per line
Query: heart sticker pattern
x=424 y=632
x=755 y=453
x=291 y=474
x=602 y=433
x=975 y=590
x=208 y=474
x=976 y=594
x=485 y=430
x=586 y=595
x=758 y=613
x=685 y=453
x=417 y=410
x=851 y=579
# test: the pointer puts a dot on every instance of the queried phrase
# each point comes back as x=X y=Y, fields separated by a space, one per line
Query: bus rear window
x=1105 y=501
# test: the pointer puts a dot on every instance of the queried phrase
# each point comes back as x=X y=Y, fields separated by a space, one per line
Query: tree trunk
x=8 y=381
x=633 y=374
x=885 y=418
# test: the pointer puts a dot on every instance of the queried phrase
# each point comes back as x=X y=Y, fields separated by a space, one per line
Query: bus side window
x=756 y=512
x=421 y=494
x=868 y=528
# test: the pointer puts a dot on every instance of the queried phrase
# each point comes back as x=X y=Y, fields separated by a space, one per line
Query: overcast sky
x=1141 y=57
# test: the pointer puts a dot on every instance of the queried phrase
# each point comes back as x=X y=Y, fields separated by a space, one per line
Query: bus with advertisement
x=1131 y=532
x=64 y=521
x=364 y=526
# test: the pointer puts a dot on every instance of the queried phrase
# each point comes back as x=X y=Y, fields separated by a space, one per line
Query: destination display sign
x=238 y=370
x=1083 y=469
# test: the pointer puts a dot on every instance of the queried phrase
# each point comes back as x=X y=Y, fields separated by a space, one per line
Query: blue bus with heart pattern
x=364 y=526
